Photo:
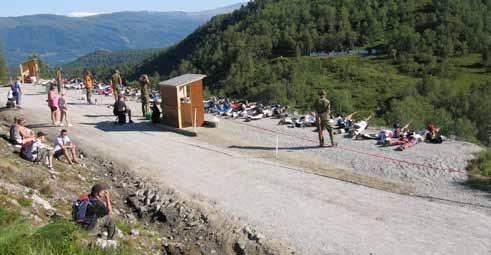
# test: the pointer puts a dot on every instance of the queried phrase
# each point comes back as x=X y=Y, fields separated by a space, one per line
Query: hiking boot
x=131 y=122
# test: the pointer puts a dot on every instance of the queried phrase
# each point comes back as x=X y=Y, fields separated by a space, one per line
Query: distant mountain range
x=61 y=39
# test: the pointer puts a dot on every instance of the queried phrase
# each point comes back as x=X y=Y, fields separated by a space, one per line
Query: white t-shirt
x=61 y=141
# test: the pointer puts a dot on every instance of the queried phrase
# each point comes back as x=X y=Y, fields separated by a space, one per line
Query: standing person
x=53 y=104
x=323 y=109
x=17 y=91
x=89 y=85
x=59 y=79
x=117 y=84
x=63 y=106
x=145 y=96
x=65 y=147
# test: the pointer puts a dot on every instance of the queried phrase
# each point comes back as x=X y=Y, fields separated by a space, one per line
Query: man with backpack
x=93 y=211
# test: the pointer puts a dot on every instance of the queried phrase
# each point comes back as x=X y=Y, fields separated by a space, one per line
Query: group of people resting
x=33 y=146
x=91 y=211
x=396 y=136
x=246 y=110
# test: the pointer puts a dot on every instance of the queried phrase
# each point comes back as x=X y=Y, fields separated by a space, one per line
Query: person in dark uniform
x=59 y=79
x=322 y=107
x=89 y=85
x=145 y=96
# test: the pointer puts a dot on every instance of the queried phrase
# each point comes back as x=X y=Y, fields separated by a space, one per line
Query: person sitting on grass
x=93 y=211
x=65 y=147
x=120 y=110
x=15 y=137
x=37 y=151
x=25 y=133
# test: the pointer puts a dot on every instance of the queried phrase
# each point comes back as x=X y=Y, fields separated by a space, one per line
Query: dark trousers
x=89 y=96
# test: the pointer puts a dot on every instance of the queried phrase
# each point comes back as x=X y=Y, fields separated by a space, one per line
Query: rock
x=119 y=233
x=260 y=237
x=240 y=247
x=134 y=232
x=103 y=244
x=39 y=201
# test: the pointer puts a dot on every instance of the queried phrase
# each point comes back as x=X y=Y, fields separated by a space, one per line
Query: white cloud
x=82 y=14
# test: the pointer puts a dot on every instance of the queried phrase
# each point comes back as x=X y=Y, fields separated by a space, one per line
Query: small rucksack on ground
x=79 y=208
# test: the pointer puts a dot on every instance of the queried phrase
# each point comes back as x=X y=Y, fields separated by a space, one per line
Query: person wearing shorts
x=53 y=104
x=65 y=147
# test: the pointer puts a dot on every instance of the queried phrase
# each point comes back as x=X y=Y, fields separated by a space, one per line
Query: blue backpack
x=79 y=208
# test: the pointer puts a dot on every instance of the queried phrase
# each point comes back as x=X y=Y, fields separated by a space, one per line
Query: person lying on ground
x=433 y=134
x=93 y=211
x=38 y=151
x=120 y=108
x=360 y=127
x=63 y=106
x=343 y=124
x=406 y=141
x=385 y=135
x=65 y=147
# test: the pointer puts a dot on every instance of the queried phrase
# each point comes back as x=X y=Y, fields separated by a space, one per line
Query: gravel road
x=316 y=215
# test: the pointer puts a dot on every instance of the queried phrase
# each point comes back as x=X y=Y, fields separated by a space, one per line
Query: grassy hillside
x=431 y=61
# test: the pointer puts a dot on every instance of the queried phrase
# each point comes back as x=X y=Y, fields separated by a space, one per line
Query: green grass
x=24 y=202
x=60 y=237
x=480 y=171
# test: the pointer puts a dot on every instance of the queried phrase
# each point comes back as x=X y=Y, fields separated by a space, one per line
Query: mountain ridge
x=59 y=39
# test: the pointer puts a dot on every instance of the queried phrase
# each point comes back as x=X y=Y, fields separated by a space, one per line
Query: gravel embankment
x=436 y=170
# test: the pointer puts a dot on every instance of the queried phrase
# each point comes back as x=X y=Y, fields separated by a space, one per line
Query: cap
x=98 y=188
x=322 y=92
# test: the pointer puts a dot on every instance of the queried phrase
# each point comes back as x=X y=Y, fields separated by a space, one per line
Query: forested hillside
x=431 y=64
x=102 y=62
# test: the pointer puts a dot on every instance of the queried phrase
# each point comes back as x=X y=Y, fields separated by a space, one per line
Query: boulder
x=37 y=200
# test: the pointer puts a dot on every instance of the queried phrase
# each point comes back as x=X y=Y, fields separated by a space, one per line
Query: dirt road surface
x=315 y=215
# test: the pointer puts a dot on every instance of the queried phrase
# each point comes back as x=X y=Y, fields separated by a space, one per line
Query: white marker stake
x=277 y=144
x=195 y=113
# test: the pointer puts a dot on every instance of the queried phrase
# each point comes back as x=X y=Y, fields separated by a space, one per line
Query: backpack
x=79 y=208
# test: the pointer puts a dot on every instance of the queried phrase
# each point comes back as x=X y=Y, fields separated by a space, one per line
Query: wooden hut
x=28 y=70
x=182 y=101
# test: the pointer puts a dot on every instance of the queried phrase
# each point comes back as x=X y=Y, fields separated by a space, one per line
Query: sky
x=65 y=7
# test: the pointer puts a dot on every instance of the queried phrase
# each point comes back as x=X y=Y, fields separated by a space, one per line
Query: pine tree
x=3 y=68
